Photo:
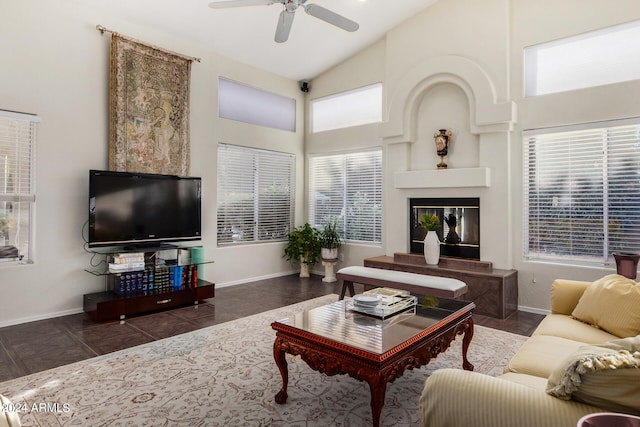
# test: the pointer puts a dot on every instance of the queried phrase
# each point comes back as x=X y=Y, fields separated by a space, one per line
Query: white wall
x=59 y=70
x=488 y=36
x=365 y=68
x=538 y=22
x=54 y=63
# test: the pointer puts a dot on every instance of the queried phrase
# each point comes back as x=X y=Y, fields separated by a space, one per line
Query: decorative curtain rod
x=106 y=30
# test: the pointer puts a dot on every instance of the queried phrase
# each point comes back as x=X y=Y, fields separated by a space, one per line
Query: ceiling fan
x=286 y=16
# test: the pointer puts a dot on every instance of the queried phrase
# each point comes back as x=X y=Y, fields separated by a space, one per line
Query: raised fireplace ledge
x=443 y=178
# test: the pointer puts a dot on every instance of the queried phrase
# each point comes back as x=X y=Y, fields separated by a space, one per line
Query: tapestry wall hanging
x=149 y=109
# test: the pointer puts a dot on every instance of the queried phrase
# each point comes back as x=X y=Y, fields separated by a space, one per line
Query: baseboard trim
x=533 y=310
x=21 y=320
x=256 y=279
x=78 y=310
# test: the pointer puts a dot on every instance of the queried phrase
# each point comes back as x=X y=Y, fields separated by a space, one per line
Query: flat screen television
x=138 y=209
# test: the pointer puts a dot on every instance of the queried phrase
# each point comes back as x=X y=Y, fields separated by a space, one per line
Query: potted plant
x=431 y=223
x=330 y=241
x=303 y=246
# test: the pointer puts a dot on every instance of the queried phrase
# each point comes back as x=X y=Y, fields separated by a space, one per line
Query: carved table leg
x=281 y=361
x=468 y=335
x=378 y=391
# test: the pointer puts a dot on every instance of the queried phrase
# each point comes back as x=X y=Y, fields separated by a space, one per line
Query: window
x=356 y=107
x=256 y=193
x=582 y=191
x=347 y=188
x=596 y=58
x=247 y=104
x=17 y=192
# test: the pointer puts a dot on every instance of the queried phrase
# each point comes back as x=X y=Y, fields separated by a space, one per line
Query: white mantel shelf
x=443 y=178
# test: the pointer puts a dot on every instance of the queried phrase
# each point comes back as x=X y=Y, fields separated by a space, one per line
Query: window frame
x=608 y=61
x=343 y=99
x=343 y=219
x=252 y=105
x=613 y=216
x=26 y=139
x=256 y=155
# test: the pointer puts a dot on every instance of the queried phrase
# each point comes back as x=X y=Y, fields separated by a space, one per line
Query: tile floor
x=33 y=347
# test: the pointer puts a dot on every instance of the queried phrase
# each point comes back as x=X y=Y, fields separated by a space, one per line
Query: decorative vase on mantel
x=432 y=248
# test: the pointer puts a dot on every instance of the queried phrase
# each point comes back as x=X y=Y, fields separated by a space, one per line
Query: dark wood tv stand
x=106 y=305
x=111 y=305
x=494 y=291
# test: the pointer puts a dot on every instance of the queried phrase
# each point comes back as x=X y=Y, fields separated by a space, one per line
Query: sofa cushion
x=613 y=304
x=537 y=383
x=567 y=327
x=565 y=295
x=605 y=375
x=8 y=419
x=540 y=354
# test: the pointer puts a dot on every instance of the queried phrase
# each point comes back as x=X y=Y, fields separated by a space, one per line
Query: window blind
x=347 y=188
x=256 y=193
x=17 y=192
x=582 y=191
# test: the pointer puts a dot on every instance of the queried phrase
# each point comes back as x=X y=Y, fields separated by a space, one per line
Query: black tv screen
x=137 y=209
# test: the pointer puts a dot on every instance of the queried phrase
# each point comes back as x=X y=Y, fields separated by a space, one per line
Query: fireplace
x=459 y=231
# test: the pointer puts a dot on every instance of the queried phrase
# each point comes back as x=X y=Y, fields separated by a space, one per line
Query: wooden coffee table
x=334 y=341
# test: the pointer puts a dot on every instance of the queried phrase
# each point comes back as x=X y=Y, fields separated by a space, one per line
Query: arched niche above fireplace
x=487 y=114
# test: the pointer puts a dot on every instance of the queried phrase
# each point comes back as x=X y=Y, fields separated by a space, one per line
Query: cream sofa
x=568 y=368
x=8 y=418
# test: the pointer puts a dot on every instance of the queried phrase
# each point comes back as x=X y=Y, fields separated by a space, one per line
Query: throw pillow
x=613 y=304
x=605 y=375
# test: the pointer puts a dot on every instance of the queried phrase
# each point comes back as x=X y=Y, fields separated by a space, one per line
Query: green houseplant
x=303 y=246
x=330 y=240
x=430 y=221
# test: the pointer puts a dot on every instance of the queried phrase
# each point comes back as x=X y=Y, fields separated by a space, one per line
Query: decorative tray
x=384 y=308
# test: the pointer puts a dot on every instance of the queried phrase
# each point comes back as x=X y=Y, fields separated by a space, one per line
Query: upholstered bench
x=412 y=282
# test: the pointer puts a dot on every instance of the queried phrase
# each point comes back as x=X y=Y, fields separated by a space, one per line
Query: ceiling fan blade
x=239 y=3
x=284 y=26
x=331 y=17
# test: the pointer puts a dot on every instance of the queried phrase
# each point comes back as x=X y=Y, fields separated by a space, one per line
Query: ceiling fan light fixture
x=286 y=16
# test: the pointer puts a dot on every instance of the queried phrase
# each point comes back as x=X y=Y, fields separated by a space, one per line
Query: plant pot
x=304 y=268
x=432 y=248
x=329 y=253
x=627 y=264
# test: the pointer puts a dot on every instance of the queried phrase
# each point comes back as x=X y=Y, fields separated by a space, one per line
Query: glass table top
x=372 y=334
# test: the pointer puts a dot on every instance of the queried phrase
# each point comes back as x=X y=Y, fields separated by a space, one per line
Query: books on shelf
x=149 y=280
x=114 y=267
x=127 y=258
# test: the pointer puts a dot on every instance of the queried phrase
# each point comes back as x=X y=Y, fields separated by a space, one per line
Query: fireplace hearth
x=459 y=231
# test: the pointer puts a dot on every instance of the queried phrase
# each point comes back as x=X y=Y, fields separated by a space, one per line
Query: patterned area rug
x=225 y=375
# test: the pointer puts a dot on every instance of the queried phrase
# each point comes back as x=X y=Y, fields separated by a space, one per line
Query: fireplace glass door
x=459 y=230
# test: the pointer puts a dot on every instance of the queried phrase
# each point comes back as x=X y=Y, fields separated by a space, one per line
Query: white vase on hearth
x=432 y=248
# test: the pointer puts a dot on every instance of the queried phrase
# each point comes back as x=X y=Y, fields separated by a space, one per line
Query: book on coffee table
x=382 y=303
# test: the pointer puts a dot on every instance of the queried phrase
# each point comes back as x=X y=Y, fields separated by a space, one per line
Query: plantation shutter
x=17 y=190
x=17 y=134
x=256 y=193
x=582 y=191
x=347 y=188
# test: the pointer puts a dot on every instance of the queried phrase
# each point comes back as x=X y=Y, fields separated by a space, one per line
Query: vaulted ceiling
x=246 y=34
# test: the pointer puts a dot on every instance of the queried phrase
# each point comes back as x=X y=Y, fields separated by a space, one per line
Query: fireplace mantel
x=443 y=178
